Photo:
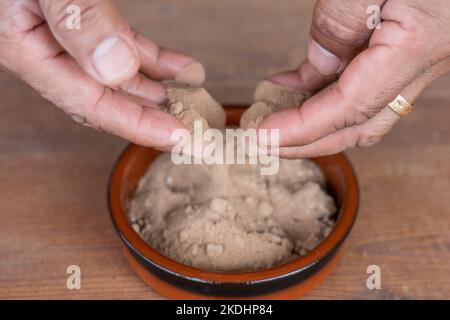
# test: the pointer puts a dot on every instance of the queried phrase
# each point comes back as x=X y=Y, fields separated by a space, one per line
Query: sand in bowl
x=230 y=217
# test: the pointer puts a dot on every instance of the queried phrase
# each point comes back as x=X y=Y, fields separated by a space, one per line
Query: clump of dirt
x=232 y=218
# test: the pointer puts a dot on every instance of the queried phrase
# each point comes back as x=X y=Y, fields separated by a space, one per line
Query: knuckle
x=78 y=118
x=411 y=40
x=417 y=21
x=95 y=108
x=56 y=12
x=338 y=25
x=356 y=111
x=364 y=112
x=415 y=17
x=367 y=139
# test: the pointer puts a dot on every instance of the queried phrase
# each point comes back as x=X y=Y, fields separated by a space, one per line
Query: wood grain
x=54 y=173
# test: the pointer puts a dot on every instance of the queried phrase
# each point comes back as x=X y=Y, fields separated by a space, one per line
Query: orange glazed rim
x=301 y=268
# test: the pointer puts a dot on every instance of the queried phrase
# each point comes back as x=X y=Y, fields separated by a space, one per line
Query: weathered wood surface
x=54 y=173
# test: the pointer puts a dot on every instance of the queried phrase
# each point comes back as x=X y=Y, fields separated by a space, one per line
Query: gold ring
x=400 y=106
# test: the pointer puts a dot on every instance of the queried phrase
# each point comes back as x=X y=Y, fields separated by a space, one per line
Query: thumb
x=339 y=32
x=103 y=46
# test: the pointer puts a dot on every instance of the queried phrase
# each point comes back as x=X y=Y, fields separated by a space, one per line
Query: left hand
x=104 y=75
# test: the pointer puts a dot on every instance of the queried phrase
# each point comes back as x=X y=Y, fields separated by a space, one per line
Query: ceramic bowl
x=178 y=281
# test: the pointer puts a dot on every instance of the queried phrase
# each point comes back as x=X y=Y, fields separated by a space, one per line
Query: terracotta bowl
x=179 y=281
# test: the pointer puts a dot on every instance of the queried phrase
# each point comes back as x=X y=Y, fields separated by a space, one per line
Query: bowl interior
x=134 y=162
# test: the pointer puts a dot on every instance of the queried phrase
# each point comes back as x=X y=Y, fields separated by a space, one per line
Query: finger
x=370 y=82
x=370 y=132
x=338 y=33
x=61 y=80
x=104 y=46
x=146 y=91
x=116 y=114
x=364 y=135
x=305 y=78
x=163 y=64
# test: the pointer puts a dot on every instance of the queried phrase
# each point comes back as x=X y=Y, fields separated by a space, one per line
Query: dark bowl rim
x=346 y=217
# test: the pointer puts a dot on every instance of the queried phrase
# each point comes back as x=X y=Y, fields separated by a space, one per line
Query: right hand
x=363 y=70
x=103 y=75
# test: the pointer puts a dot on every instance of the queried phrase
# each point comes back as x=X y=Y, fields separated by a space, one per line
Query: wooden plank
x=54 y=173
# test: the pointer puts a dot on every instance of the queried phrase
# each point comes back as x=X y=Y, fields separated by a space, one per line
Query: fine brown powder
x=230 y=217
x=189 y=104
x=269 y=98
x=233 y=219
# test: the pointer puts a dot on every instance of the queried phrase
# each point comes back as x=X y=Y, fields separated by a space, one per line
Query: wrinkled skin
x=117 y=93
x=362 y=71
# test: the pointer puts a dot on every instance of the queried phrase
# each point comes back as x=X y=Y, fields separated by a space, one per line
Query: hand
x=409 y=51
x=76 y=69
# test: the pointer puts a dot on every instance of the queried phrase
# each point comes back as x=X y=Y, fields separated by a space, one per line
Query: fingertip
x=165 y=64
x=167 y=123
x=164 y=132
x=287 y=122
x=323 y=60
x=193 y=74
x=306 y=78
x=288 y=79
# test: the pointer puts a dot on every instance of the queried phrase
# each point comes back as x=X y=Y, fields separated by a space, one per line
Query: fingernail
x=113 y=59
x=193 y=74
x=78 y=119
x=323 y=60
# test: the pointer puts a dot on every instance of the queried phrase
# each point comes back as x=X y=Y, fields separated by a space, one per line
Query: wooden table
x=54 y=173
